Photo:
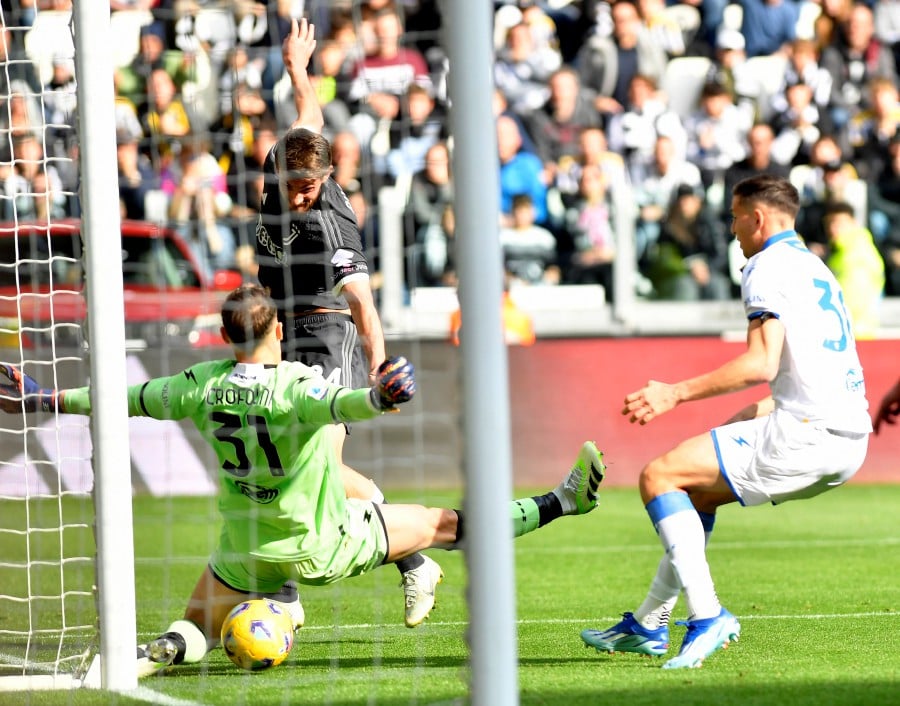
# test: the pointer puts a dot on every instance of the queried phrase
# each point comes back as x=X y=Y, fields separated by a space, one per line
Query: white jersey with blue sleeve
x=819 y=377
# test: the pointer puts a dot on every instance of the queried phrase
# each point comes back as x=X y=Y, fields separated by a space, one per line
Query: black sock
x=179 y=641
x=549 y=508
x=408 y=563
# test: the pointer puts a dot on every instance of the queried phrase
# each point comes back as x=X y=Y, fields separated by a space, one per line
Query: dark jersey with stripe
x=304 y=258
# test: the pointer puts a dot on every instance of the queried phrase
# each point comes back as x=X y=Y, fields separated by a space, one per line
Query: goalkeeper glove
x=24 y=392
x=394 y=383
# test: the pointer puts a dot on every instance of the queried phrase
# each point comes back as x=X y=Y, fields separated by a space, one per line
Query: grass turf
x=814 y=584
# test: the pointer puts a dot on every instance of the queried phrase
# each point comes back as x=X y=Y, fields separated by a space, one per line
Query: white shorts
x=778 y=457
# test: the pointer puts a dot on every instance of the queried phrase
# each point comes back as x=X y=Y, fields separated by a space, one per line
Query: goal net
x=52 y=559
x=48 y=620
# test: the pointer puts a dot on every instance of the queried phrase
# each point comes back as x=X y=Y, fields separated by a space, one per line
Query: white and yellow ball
x=258 y=634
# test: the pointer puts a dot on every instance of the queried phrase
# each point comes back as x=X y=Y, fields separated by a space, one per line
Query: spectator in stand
x=663 y=27
x=759 y=160
x=33 y=189
x=522 y=70
x=422 y=124
x=804 y=67
x=688 y=262
x=655 y=191
x=887 y=25
x=382 y=77
x=633 y=133
x=730 y=68
x=590 y=227
x=769 y=26
x=608 y=63
x=798 y=126
x=166 y=118
x=853 y=60
x=500 y=106
x=200 y=207
x=529 y=250
x=712 y=15
x=716 y=133
x=60 y=102
x=857 y=266
x=132 y=80
x=330 y=80
x=518 y=327
x=593 y=150
x=884 y=217
x=827 y=25
x=872 y=130
x=136 y=175
x=556 y=126
x=353 y=170
x=521 y=172
x=430 y=215
x=261 y=28
x=828 y=184
x=20 y=115
x=19 y=73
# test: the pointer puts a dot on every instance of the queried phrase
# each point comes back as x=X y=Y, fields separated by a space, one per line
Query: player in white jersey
x=809 y=435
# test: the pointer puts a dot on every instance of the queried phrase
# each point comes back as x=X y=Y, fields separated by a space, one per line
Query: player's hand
x=889 y=409
x=652 y=400
x=298 y=46
x=17 y=386
x=396 y=383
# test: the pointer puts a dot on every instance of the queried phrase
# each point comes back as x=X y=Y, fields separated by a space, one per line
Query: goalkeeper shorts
x=361 y=546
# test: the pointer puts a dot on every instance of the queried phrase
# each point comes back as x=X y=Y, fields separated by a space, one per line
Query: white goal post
x=69 y=586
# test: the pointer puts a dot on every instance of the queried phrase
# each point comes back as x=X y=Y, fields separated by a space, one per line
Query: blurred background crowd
x=669 y=103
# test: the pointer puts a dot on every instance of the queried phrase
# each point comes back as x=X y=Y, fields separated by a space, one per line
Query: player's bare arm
x=757 y=365
x=297 y=50
x=362 y=308
x=889 y=409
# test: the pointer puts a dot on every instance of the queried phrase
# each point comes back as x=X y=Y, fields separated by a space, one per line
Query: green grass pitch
x=814 y=584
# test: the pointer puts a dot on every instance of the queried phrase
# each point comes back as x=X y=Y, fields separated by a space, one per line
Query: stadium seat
x=733 y=16
x=125 y=30
x=49 y=36
x=766 y=74
x=806 y=21
x=683 y=81
x=688 y=19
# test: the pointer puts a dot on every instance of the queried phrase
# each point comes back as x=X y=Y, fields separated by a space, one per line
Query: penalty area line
x=578 y=621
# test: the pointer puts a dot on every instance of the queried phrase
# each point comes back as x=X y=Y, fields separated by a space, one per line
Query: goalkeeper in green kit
x=284 y=509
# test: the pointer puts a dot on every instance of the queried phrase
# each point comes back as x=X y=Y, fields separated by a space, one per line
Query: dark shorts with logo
x=329 y=343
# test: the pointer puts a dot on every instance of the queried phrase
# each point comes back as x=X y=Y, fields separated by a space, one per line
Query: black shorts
x=330 y=343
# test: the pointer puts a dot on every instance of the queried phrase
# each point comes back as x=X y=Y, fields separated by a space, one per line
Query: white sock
x=681 y=533
x=654 y=612
x=196 y=644
x=657 y=607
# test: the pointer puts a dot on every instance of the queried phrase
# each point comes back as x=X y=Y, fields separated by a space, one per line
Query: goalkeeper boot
x=288 y=597
x=703 y=638
x=578 y=492
x=628 y=635
x=155 y=656
x=418 y=586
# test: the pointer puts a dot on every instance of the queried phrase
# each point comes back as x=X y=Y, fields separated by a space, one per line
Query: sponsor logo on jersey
x=257 y=493
x=342 y=258
x=265 y=240
x=317 y=391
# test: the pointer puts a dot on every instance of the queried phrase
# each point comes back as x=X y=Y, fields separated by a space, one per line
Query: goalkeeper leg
x=188 y=640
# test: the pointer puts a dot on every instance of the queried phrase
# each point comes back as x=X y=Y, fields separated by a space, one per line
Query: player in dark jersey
x=310 y=256
x=281 y=495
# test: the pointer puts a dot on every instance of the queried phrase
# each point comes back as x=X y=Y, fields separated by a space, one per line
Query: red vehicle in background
x=168 y=298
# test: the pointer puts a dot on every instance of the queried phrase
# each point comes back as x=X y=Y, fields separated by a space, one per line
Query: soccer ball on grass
x=258 y=634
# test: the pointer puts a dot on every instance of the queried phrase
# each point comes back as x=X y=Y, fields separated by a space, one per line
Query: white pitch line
x=601 y=619
x=142 y=693
x=714 y=545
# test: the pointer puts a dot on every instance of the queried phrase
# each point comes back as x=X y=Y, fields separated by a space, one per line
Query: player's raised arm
x=297 y=50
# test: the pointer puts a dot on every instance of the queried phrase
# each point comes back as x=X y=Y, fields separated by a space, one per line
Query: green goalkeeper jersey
x=281 y=492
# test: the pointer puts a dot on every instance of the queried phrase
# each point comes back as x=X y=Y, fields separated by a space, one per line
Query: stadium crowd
x=672 y=102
